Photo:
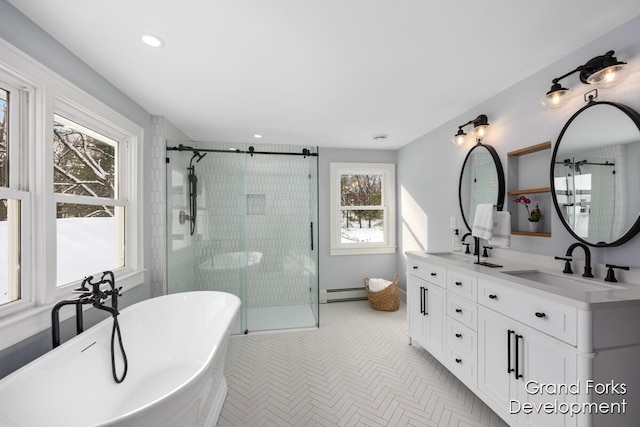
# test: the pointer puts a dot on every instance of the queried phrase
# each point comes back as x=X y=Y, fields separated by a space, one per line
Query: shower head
x=197 y=156
x=577 y=166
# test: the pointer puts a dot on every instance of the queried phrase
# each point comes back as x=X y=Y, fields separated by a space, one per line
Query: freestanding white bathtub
x=176 y=347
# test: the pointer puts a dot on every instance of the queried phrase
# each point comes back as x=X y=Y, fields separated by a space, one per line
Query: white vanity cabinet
x=426 y=306
x=513 y=359
x=527 y=352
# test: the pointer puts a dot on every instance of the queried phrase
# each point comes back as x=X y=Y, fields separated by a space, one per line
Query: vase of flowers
x=534 y=216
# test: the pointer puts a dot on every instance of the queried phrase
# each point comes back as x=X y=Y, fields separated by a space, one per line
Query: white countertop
x=620 y=293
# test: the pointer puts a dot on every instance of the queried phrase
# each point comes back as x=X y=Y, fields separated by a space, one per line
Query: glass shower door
x=255 y=233
x=278 y=224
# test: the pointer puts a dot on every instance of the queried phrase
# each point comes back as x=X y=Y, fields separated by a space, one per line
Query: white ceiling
x=331 y=73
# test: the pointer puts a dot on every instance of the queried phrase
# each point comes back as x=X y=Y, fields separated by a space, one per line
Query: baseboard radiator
x=344 y=294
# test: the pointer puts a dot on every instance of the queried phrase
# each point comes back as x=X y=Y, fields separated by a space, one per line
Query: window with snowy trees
x=70 y=194
x=362 y=208
x=89 y=212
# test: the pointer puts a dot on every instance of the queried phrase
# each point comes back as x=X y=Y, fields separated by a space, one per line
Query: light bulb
x=480 y=131
x=556 y=99
x=609 y=76
x=459 y=139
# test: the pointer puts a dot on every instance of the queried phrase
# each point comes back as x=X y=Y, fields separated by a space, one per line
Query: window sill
x=364 y=251
x=30 y=321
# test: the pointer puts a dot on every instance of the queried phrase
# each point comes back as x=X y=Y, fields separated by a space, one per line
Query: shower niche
x=244 y=221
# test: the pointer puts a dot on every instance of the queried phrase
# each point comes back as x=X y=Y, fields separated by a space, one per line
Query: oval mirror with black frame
x=595 y=174
x=481 y=181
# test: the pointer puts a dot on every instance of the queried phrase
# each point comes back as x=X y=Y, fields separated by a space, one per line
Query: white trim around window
x=387 y=204
x=43 y=94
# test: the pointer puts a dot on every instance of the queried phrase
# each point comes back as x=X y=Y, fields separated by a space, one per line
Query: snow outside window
x=362 y=208
x=70 y=194
x=90 y=214
x=12 y=199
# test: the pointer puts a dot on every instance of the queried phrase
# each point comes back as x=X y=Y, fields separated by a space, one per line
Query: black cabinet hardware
x=458 y=335
x=458 y=310
x=493 y=296
x=424 y=300
x=540 y=315
x=458 y=283
x=421 y=300
x=509 y=369
x=458 y=361
x=434 y=274
x=415 y=267
x=517 y=373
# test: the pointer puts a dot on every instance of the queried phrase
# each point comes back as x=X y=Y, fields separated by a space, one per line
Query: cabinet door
x=496 y=356
x=434 y=318
x=513 y=359
x=546 y=360
x=425 y=313
x=415 y=307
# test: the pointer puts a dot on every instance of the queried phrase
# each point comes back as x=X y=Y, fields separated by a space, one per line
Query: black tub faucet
x=587 y=257
x=95 y=297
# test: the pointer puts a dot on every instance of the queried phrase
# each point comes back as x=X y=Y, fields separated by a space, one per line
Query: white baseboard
x=345 y=294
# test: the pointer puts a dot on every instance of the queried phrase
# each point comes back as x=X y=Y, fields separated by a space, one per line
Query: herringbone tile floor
x=356 y=370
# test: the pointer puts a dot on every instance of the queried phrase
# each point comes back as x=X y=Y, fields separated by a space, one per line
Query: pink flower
x=523 y=200
x=526 y=202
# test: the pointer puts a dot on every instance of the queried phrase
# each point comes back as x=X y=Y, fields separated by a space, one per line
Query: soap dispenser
x=456 y=243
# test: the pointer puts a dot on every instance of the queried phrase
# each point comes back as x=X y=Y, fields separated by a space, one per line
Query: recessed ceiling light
x=152 y=40
x=380 y=137
x=257 y=136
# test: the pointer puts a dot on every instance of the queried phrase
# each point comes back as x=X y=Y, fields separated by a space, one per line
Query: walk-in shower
x=251 y=229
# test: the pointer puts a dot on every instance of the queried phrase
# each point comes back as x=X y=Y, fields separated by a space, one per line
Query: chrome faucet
x=587 y=257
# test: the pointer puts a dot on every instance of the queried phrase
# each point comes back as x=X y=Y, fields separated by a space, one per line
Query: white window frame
x=43 y=94
x=67 y=114
x=18 y=102
x=388 y=205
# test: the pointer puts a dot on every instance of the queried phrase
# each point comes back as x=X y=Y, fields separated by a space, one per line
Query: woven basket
x=387 y=299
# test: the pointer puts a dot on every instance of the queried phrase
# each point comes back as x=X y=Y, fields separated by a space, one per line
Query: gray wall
x=347 y=271
x=428 y=168
x=18 y=30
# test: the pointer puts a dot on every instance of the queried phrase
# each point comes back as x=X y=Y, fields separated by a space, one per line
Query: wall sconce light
x=602 y=71
x=480 y=124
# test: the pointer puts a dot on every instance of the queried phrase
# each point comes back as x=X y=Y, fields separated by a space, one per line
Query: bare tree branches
x=83 y=166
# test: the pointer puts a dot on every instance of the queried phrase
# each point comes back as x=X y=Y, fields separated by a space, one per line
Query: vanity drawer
x=463 y=365
x=462 y=284
x=462 y=310
x=461 y=339
x=557 y=320
x=432 y=273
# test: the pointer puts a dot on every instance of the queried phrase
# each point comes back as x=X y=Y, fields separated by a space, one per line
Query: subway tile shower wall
x=258 y=204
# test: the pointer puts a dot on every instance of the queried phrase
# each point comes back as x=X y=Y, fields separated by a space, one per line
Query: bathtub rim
x=234 y=306
x=199 y=373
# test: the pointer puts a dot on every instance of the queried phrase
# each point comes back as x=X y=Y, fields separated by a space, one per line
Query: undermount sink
x=453 y=256
x=562 y=282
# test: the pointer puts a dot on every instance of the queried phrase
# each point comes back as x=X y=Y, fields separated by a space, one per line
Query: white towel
x=376 y=284
x=501 y=230
x=483 y=221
